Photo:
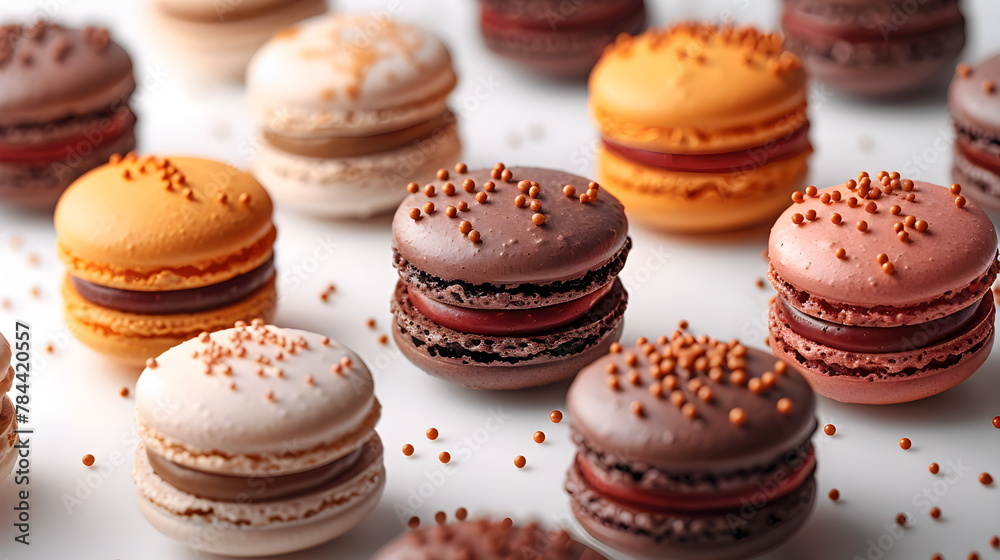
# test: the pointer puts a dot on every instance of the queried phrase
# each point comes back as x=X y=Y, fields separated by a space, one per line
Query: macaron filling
x=792 y=145
x=781 y=480
x=252 y=489
x=882 y=339
x=499 y=322
x=980 y=158
x=101 y=129
x=878 y=31
x=191 y=300
x=555 y=22
x=329 y=147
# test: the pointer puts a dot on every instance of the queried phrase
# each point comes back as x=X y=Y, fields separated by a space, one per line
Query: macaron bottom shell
x=918 y=374
x=504 y=376
x=701 y=202
x=233 y=40
x=353 y=187
x=134 y=338
x=507 y=362
x=249 y=529
x=721 y=535
x=8 y=425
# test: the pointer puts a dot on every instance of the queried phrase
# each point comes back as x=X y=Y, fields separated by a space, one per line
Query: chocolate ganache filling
x=260 y=488
x=877 y=340
x=191 y=300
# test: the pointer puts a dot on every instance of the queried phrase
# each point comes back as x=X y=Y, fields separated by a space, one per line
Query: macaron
x=684 y=150
x=184 y=246
x=257 y=440
x=351 y=107
x=554 y=37
x=883 y=288
x=508 y=276
x=485 y=540
x=689 y=447
x=974 y=104
x=211 y=42
x=64 y=108
x=875 y=47
x=8 y=420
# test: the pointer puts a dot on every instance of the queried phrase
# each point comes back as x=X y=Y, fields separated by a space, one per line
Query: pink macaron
x=883 y=288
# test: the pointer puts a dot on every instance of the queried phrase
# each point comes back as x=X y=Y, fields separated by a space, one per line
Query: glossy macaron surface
x=948 y=243
x=562 y=239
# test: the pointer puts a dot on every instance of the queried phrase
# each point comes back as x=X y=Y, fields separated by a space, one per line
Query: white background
x=518 y=119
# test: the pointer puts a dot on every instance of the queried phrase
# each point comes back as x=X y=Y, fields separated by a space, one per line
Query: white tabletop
x=519 y=119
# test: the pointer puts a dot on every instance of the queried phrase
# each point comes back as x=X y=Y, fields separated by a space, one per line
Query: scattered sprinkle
x=407 y=449
x=520 y=461
x=440 y=517
x=738 y=416
x=934 y=468
x=556 y=416
x=834 y=494
x=935 y=513
x=123 y=392
x=88 y=460
x=431 y=433
x=444 y=457
x=413 y=522
x=539 y=437
x=905 y=444
x=985 y=479
x=461 y=514
x=829 y=429
x=901 y=519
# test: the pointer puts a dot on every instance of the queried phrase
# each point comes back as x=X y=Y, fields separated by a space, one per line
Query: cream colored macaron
x=269 y=431
x=352 y=108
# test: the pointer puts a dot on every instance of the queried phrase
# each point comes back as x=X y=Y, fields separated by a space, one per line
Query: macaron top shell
x=49 y=72
x=575 y=237
x=646 y=425
x=957 y=247
x=974 y=98
x=136 y=223
x=485 y=540
x=688 y=105
x=345 y=75
x=255 y=389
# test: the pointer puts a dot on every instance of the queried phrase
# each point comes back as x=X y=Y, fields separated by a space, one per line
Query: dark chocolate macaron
x=557 y=37
x=974 y=103
x=691 y=448
x=875 y=47
x=485 y=540
x=508 y=276
x=63 y=108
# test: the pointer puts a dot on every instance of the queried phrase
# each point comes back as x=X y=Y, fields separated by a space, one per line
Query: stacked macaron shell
x=684 y=150
x=883 y=288
x=485 y=540
x=352 y=107
x=63 y=108
x=257 y=440
x=691 y=448
x=508 y=276
x=184 y=245
x=875 y=47
x=974 y=103
x=213 y=41
x=554 y=37
x=8 y=420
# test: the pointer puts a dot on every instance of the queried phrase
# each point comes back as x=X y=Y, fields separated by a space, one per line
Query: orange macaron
x=715 y=138
x=159 y=250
